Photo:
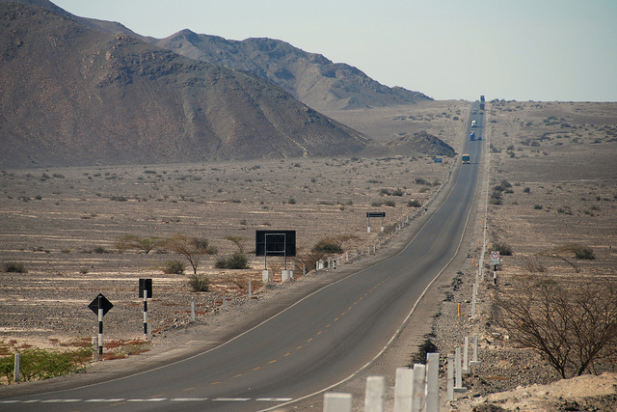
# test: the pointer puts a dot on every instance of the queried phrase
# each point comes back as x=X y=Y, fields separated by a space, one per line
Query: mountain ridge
x=309 y=77
x=73 y=95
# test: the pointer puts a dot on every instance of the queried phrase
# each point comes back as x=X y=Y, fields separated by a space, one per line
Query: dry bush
x=573 y=326
x=534 y=266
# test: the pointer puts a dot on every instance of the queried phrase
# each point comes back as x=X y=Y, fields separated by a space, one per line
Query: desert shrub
x=199 y=283
x=583 y=252
x=537 y=207
x=376 y=204
x=390 y=203
x=83 y=270
x=502 y=248
x=425 y=347
x=173 y=267
x=527 y=190
x=574 y=328
x=15 y=267
x=235 y=261
x=99 y=250
x=38 y=364
x=327 y=245
x=413 y=203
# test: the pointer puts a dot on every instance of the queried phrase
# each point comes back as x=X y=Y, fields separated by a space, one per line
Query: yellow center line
x=188 y=389
x=335 y=319
x=238 y=375
x=272 y=361
x=328 y=325
x=258 y=367
x=320 y=332
x=215 y=383
x=310 y=339
x=343 y=314
x=299 y=347
x=287 y=354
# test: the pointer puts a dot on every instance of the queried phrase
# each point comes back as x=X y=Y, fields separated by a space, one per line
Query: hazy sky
x=448 y=49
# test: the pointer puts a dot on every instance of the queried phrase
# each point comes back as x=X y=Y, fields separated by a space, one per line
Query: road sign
x=275 y=243
x=145 y=285
x=494 y=257
x=106 y=305
x=375 y=214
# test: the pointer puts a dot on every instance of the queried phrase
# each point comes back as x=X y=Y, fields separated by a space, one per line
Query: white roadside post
x=374 y=400
x=450 y=382
x=418 y=388
x=474 y=361
x=432 y=382
x=402 y=390
x=466 y=357
x=16 y=371
x=458 y=383
x=337 y=402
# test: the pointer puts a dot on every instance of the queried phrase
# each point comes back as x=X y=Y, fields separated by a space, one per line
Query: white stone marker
x=432 y=382
x=475 y=361
x=337 y=402
x=450 y=382
x=418 y=388
x=402 y=390
x=466 y=357
x=458 y=372
x=374 y=397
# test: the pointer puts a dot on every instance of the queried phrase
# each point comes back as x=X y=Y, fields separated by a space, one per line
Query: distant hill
x=73 y=95
x=309 y=77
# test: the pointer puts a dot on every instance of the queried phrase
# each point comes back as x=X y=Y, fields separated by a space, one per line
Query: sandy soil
x=564 y=153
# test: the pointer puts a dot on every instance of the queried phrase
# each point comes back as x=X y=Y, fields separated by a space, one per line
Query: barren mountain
x=72 y=95
x=309 y=77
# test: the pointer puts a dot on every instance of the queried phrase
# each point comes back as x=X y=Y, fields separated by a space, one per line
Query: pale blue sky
x=448 y=49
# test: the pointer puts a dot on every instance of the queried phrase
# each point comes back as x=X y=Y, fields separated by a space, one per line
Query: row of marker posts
x=415 y=390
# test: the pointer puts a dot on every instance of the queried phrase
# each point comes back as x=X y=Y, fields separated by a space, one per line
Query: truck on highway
x=465 y=159
x=472 y=135
x=473 y=123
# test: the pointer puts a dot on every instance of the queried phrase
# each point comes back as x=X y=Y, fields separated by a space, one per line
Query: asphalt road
x=315 y=344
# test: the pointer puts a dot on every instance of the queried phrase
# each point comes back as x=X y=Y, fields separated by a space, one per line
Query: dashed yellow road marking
x=258 y=367
x=215 y=383
x=310 y=339
x=272 y=361
x=188 y=389
x=287 y=354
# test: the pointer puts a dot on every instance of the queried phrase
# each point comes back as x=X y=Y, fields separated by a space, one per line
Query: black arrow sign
x=105 y=304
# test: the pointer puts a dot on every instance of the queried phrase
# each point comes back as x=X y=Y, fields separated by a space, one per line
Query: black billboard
x=275 y=242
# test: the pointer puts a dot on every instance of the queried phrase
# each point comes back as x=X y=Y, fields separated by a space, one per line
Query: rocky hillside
x=309 y=77
x=73 y=95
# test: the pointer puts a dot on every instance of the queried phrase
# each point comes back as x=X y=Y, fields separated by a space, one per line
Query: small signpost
x=494 y=257
x=100 y=306
x=369 y=215
x=494 y=262
x=145 y=291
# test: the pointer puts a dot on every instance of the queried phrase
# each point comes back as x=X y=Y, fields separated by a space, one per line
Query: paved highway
x=318 y=342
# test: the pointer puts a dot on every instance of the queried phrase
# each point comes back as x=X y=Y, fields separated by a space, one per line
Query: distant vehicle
x=482 y=98
x=473 y=123
x=472 y=135
x=481 y=107
x=465 y=159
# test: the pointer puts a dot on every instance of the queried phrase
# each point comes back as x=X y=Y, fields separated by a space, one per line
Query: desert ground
x=560 y=159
